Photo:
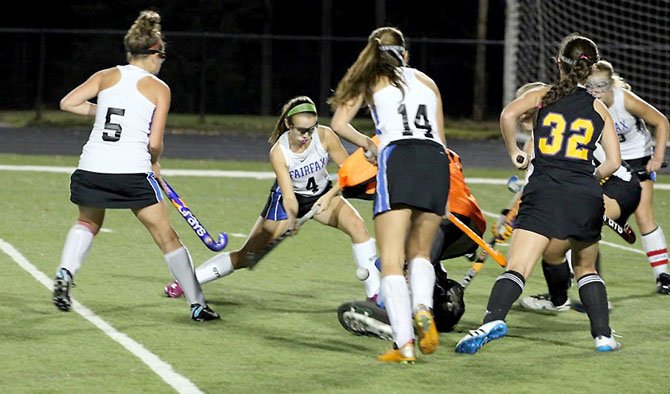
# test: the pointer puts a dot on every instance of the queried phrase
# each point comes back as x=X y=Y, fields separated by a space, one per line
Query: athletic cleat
x=61 y=292
x=365 y=318
x=403 y=355
x=475 y=339
x=203 y=313
x=424 y=323
x=541 y=303
x=663 y=284
x=173 y=290
x=607 y=344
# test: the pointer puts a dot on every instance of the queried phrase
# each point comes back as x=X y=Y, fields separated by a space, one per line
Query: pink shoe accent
x=173 y=290
x=377 y=300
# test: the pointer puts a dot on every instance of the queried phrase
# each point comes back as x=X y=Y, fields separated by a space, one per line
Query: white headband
x=397 y=50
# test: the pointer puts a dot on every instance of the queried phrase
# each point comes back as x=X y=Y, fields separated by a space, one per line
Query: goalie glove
x=503 y=227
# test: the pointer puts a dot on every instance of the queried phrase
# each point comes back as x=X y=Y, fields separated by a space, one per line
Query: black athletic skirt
x=274 y=207
x=639 y=165
x=626 y=194
x=412 y=173
x=92 y=189
x=562 y=210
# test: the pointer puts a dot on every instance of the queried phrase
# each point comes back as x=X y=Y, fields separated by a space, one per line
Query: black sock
x=558 y=280
x=593 y=294
x=506 y=290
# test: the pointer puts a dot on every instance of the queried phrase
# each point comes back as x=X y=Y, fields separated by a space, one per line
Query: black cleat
x=203 y=313
x=61 y=293
x=365 y=318
x=663 y=284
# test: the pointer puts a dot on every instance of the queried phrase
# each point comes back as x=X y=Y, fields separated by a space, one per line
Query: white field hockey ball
x=362 y=273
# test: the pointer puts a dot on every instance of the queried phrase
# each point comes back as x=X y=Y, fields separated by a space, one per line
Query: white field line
x=164 y=370
x=242 y=174
x=271 y=175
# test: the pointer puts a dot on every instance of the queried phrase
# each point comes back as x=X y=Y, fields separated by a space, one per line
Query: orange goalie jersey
x=357 y=179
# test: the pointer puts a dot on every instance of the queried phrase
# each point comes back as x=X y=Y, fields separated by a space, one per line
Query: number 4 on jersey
x=420 y=120
x=311 y=185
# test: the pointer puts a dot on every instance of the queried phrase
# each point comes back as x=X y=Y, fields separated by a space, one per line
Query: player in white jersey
x=412 y=181
x=632 y=115
x=299 y=156
x=119 y=163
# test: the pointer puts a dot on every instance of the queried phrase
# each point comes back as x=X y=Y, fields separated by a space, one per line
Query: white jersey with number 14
x=412 y=115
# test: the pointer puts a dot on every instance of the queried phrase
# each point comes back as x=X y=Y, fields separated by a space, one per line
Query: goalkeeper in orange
x=357 y=180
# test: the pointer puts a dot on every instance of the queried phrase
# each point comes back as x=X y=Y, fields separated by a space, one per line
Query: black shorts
x=97 y=190
x=274 y=207
x=413 y=173
x=451 y=242
x=638 y=166
x=561 y=210
x=626 y=194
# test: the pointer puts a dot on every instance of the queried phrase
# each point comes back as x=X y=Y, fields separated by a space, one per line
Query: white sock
x=179 y=263
x=657 y=251
x=421 y=282
x=396 y=297
x=214 y=268
x=77 y=244
x=365 y=255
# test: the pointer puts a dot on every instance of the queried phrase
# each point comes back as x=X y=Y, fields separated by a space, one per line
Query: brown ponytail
x=381 y=57
x=575 y=58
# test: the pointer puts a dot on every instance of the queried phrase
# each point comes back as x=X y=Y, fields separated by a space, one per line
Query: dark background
x=214 y=49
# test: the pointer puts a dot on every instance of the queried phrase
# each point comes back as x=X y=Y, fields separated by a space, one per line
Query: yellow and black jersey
x=565 y=136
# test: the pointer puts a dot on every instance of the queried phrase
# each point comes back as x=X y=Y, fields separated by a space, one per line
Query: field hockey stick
x=254 y=258
x=652 y=175
x=495 y=254
x=192 y=221
x=514 y=184
x=477 y=264
x=624 y=231
x=472 y=272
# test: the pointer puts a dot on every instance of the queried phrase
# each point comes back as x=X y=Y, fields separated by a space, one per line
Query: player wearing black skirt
x=562 y=205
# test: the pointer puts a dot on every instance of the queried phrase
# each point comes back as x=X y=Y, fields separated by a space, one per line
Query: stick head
x=514 y=184
x=219 y=245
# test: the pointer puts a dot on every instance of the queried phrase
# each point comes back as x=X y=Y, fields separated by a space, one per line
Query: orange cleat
x=404 y=355
x=425 y=328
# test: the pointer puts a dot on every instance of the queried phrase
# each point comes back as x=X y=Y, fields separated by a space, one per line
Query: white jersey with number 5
x=118 y=143
x=307 y=169
x=409 y=116
x=634 y=138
